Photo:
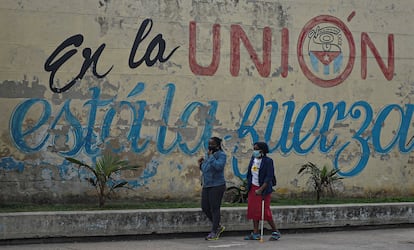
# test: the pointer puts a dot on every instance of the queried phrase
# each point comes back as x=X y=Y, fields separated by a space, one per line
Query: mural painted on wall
x=326 y=55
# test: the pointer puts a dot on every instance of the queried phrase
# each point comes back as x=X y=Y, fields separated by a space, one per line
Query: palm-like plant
x=104 y=168
x=320 y=179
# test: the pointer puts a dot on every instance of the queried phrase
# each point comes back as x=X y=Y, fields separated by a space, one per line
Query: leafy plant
x=103 y=171
x=237 y=194
x=320 y=179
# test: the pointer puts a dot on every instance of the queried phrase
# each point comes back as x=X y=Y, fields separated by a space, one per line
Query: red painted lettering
x=238 y=34
x=366 y=42
x=194 y=66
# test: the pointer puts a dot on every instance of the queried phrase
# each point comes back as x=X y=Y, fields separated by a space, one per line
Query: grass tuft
x=28 y=207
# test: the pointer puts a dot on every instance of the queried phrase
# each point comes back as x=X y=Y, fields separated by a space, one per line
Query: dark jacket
x=266 y=174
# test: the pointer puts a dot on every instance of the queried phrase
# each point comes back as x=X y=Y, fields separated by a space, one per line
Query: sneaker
x=212 y=236
x=220 y=230
x=252 y=236
x=275 y=236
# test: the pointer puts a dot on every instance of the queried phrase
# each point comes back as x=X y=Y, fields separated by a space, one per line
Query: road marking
x=228 y=245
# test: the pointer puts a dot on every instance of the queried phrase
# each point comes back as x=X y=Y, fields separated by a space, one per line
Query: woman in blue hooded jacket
x=214 y=185
x=260 y=179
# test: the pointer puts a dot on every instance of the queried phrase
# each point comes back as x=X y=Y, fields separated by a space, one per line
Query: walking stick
x=261 y=226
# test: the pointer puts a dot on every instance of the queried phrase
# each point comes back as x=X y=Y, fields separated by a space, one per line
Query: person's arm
x=259 y=191
x=200 y=161
x=269 y=168
x=217 y=160
x=249 y=174
x=270 y=171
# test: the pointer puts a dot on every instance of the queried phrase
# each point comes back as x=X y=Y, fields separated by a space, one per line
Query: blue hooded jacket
x=213 y=169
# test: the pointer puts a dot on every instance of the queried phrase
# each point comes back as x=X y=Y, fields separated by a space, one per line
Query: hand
x=259 y=191
x=200 y=161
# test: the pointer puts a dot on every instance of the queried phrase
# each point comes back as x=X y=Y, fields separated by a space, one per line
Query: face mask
x=257 y=154
x=212 y=148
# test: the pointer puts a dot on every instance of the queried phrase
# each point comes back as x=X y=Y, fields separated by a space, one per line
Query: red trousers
x=254 y=205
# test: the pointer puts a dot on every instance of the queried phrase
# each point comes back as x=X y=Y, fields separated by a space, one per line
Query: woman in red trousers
x=260 y=179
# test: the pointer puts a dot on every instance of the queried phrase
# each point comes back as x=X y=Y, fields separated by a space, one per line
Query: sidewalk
x=386 y=239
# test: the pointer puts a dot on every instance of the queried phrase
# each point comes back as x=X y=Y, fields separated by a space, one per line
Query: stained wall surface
x=328 y=82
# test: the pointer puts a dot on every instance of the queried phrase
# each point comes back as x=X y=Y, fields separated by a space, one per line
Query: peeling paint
x=161 y=102
x=22 y=89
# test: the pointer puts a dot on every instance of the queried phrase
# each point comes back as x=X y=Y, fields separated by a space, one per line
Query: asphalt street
x=398 y=238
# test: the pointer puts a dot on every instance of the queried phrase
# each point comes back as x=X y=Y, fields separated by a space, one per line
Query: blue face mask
x=257 y=154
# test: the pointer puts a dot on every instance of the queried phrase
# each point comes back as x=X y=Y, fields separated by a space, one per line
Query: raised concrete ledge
x=35 y=225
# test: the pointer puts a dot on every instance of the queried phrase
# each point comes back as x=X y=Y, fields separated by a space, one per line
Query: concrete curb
x=35 y=225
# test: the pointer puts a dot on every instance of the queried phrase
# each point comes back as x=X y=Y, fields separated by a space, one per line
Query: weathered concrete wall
x=191 y=220
x=324 y=81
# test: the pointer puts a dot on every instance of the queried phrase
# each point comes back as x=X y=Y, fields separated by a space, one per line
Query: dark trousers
x=210 y=204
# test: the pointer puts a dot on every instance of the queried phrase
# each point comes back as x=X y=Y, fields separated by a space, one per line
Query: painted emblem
x=326 y=51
